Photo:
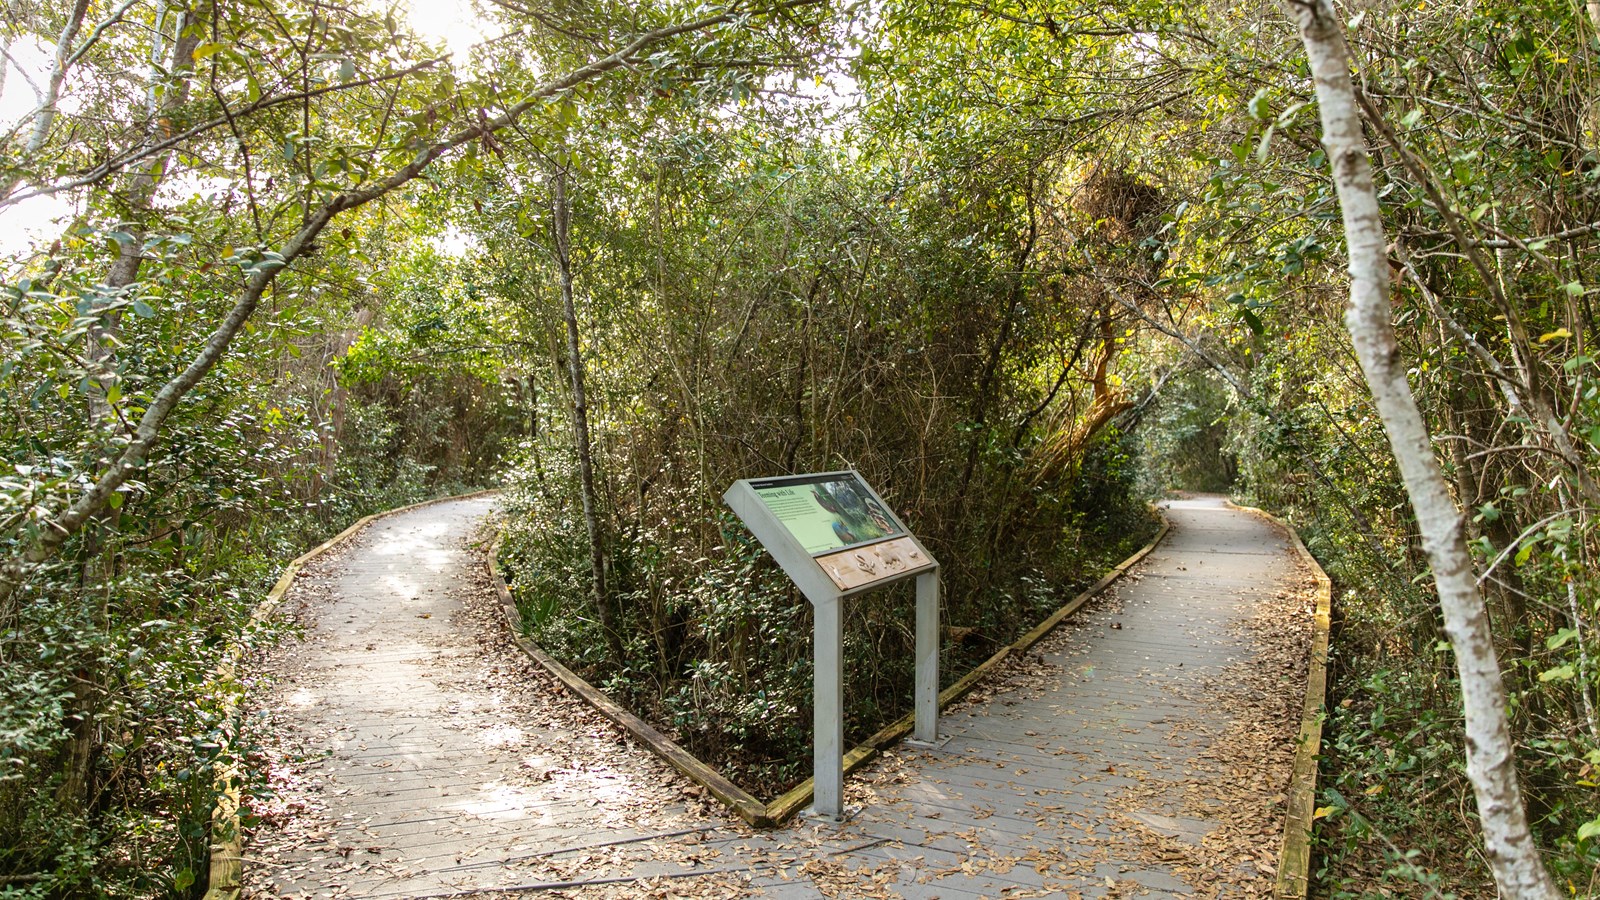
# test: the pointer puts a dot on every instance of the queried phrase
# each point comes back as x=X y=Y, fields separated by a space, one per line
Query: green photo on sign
x=827 y=512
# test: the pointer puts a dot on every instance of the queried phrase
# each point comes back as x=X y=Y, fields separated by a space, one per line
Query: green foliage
x=1244 y=280
x=1184 y=439
x=109 y=722
x=755 y=303
x=1047 y=258
x=175 y=571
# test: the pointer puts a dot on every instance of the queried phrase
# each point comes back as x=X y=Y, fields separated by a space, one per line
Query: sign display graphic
x=824 y=513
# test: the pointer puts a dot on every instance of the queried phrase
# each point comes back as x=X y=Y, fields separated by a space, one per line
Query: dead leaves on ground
x=1234 y=783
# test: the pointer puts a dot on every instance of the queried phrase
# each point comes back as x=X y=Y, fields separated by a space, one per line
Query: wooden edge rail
x=781 y=809
x=226 y=865
x=1294 y=859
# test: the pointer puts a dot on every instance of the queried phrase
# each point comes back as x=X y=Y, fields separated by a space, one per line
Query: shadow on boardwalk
x=1140 y=751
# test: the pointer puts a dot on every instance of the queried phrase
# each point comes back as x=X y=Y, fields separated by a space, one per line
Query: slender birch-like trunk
x=1491 y=764
x=562 y=214
x=83 y=722
x=5 y=61
x=1592 y=114
x=44 y=115
x=176 y=58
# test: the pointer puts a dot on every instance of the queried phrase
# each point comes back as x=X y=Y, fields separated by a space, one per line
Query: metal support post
x=927 y=694
x=828 y=719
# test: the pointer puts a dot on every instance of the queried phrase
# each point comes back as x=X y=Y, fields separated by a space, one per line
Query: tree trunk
x=580 y=411
x=83 y=725
x=1592 y=114
x=44 y=115
x=1491 y=765
x=57 y=528
x=140 y=190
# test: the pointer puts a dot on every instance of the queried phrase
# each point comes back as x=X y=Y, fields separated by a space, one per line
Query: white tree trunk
x=5 y=61
x=1491 y=764
x=44 y=115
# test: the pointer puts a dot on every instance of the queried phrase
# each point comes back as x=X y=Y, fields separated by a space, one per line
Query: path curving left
x=413 y=752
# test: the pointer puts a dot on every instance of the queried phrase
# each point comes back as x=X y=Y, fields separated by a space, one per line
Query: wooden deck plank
x=1111 y=742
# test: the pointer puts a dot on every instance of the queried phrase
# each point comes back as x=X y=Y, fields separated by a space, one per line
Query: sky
x=455 y=22
x=35 y=223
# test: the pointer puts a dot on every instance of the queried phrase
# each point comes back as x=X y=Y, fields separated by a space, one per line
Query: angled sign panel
x=831 y=526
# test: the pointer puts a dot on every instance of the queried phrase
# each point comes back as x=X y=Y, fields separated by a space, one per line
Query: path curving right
x=1140 y=751
x=1143 y=750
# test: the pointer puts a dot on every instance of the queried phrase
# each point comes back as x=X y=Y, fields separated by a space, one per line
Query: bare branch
x=144 y=151
x=99 y=31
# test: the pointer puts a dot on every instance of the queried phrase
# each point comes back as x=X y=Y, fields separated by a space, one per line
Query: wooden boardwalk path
x=1142 y=750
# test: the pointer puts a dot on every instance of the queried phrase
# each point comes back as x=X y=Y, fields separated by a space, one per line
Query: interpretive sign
x=835 y=537
x=830 y=524
x=854 y=569
x=827 y=512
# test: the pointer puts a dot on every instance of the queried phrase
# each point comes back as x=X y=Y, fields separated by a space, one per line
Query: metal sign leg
x=927 y=696
x=828 y=719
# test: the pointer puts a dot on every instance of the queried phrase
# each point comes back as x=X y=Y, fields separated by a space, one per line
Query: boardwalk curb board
x=226 y=879
x=780 y=810
x=1294 y=860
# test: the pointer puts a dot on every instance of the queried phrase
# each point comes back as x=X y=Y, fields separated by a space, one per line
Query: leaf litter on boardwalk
x=545 y=742
x=1234 y=788
x=1072 y=852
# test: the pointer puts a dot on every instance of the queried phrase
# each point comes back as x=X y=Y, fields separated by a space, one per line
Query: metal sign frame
x=828 y=575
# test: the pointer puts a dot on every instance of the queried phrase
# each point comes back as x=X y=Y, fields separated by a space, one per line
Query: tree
x=1487 y=197
x=238 y=172
x=561 y=248
x=1491 y=760
x=55 y=529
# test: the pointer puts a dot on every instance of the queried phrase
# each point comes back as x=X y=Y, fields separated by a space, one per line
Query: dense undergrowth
x=111 y=723
x=718 y=648
x=761 y=301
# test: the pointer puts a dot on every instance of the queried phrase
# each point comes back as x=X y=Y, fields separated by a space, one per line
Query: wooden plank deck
x=1140 y=751
x=414 y=754
x=1111 y=766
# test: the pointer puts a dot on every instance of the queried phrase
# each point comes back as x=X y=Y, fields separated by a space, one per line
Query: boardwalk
x=412 y=753
x=1144 y=753
x=1140 y=751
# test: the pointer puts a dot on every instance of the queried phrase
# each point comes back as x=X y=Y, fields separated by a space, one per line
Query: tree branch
x=112 y=166
x=57 y=529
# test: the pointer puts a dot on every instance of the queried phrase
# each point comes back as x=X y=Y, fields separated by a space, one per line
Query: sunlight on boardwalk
x=432 y=760
x=1141 y=751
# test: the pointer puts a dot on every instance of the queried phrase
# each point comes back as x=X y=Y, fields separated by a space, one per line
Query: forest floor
x=410 y=750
